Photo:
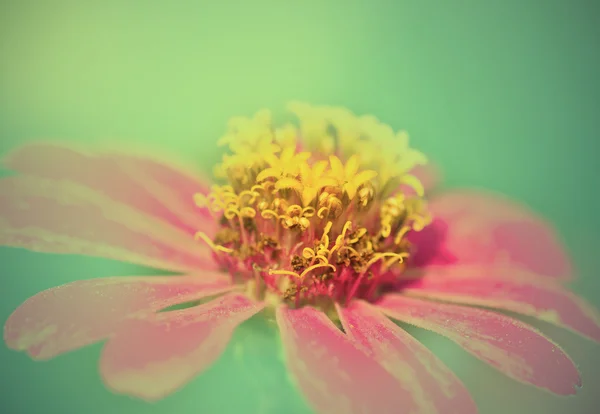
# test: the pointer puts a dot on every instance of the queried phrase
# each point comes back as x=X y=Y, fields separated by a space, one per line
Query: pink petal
x=332 y=373
x=68 y=317
x=59 y=217
x=431 y=386
x=508 y=345
x=472 y=227
x=152 y=357
x=509 y=289
x=153 y=187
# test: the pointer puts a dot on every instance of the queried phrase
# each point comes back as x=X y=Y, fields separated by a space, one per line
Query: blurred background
x=502 y=95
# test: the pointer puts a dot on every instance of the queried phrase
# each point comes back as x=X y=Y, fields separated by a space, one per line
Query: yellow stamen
x=351 y=249
x=304 y=273
x=267 y=214
x=207 y=240
x=341 y=238
x=325 y=237
x=414 y=183
x=360 y=233
x=378 y=256
x=248 y=212
x=400 y=235
x=310 y=254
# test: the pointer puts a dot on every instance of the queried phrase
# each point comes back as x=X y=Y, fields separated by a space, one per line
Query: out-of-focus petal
x=473 y=227
x=156 y=188
x=509 y=289
x=68 y=317
x=152 y=357
x=330 y=370
x=61 y=217
x=508 y=345
x=431 y=386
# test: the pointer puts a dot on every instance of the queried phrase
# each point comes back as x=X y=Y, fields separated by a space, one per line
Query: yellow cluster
x=325 y=192
x=260 y=151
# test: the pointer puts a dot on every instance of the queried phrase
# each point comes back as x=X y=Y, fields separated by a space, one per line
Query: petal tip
x=147 y=388
x=29 y=341
x=133 y=387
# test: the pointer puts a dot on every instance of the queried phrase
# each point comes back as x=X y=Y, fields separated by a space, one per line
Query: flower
x=332 y=239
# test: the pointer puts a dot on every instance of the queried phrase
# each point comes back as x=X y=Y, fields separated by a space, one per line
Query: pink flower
x=327 y=233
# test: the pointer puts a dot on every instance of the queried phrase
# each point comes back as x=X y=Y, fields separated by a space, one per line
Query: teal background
x=502 y=95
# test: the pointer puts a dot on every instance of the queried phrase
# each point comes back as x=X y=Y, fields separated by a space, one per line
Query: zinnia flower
x=322 y=228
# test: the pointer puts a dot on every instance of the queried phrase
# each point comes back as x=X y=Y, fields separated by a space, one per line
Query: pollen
x=314 y=213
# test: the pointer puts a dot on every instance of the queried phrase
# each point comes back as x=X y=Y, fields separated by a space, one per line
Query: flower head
x=307 y=228
x=323 y=228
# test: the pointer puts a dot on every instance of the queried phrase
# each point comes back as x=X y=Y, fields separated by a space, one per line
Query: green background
x=501 y=94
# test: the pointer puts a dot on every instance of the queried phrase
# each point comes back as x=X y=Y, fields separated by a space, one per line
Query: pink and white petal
x=152 y=357
x=476 y=227
x=510 y=346
x=431 y=386
x=509 y=289
x=61 y=217
x=172 y=185
x=80 y=313
x=152 y=187
x=330 y=370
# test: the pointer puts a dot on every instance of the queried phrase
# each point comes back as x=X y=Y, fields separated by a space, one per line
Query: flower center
x=318 y=220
